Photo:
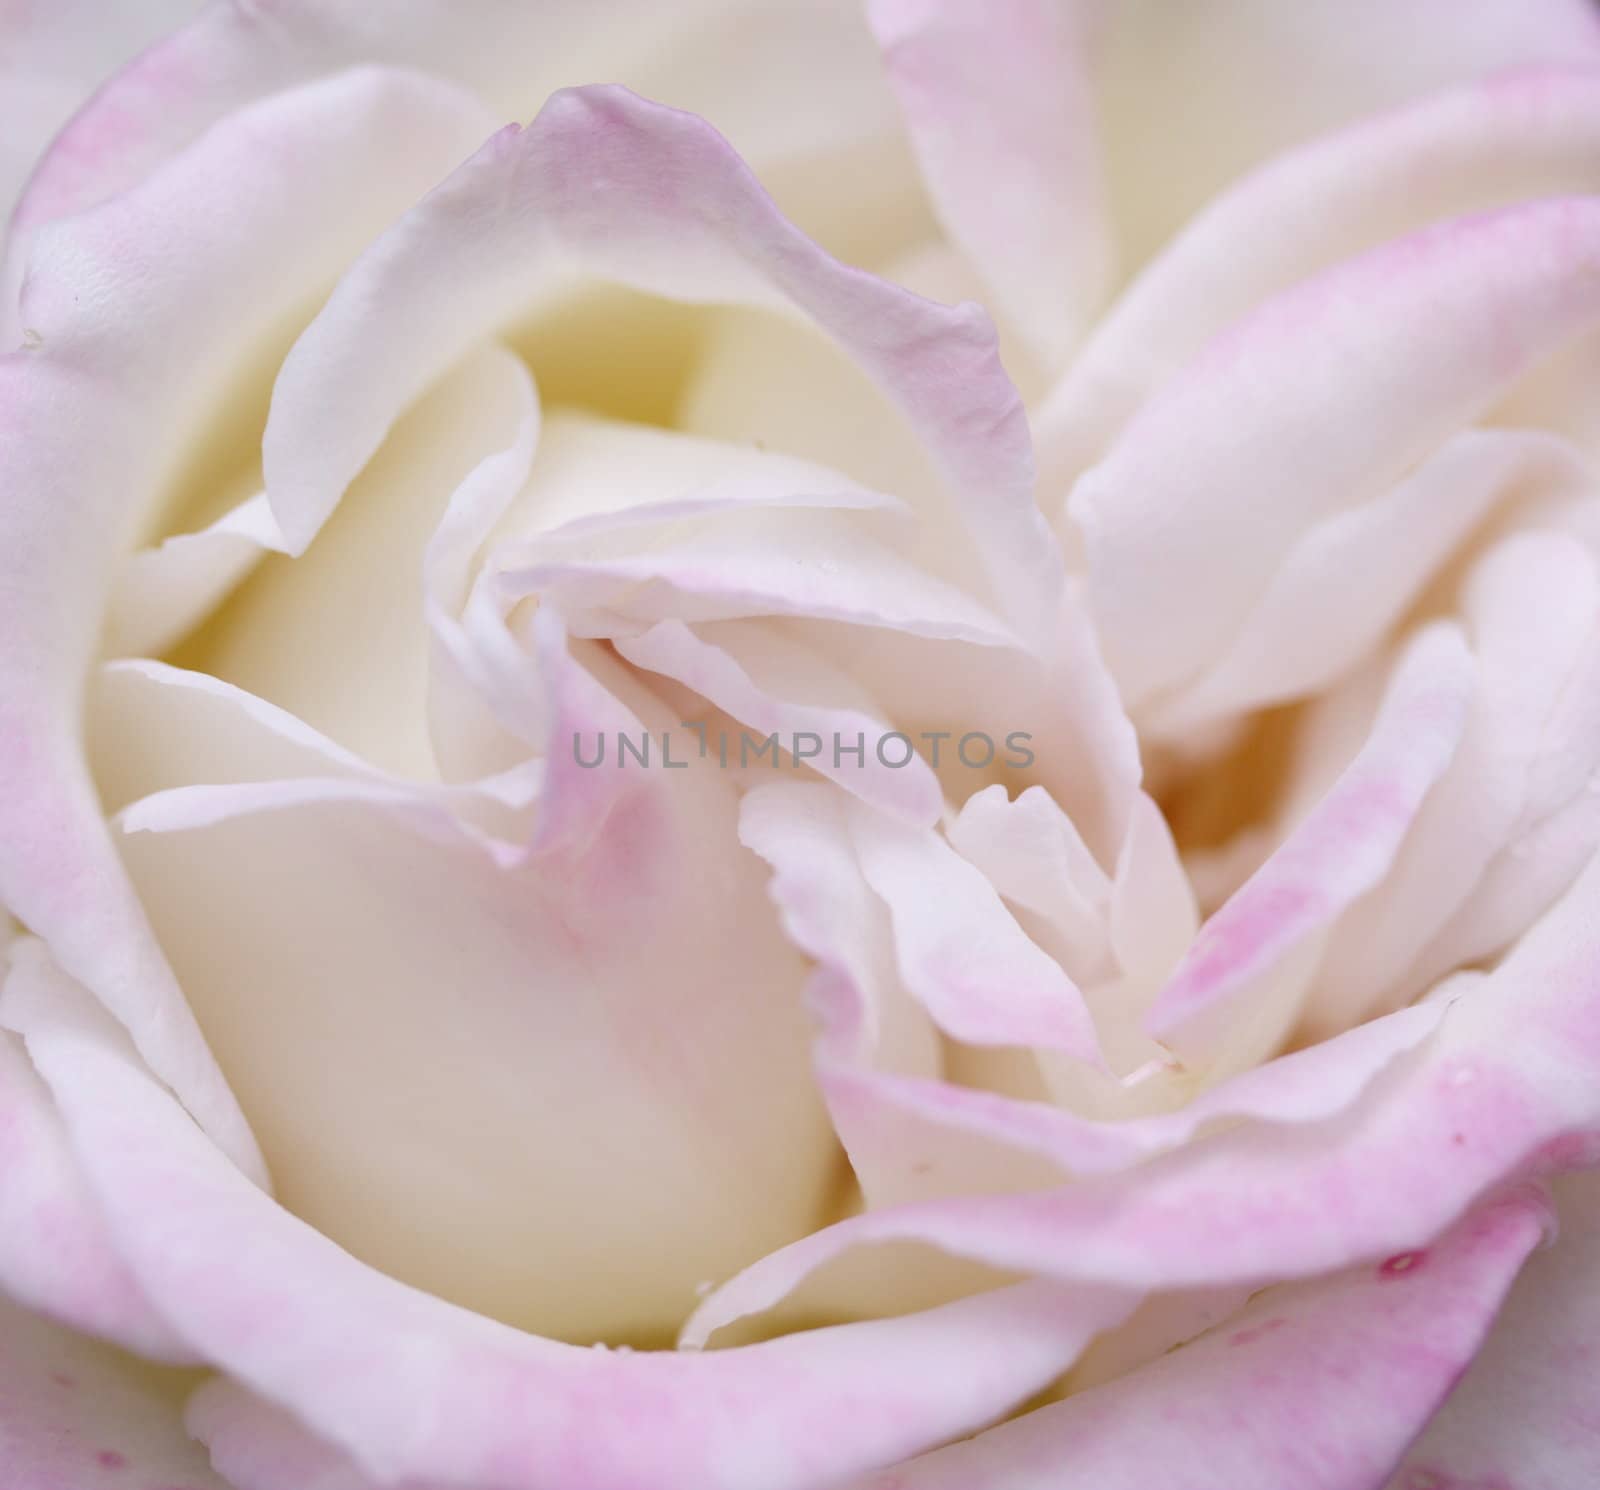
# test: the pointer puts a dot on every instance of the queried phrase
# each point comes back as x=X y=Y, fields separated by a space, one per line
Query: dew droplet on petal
x=1401 y=1263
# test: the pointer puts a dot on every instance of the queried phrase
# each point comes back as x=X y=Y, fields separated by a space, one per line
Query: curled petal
x=512 y=56
x=655 y=200
x=56 y=1255
x=1375 y=1349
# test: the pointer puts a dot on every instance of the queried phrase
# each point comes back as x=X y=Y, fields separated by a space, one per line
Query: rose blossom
x=1181 y=1098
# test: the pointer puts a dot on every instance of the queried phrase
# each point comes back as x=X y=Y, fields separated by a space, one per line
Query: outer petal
x=1438 y=326
x=74 y=1414
x=53 y=53
x=753 y=67
x=261 y=1447
x=1526 y=1413
x=1319 y=1386
x=55 y=1253
x=417 y=1390
x=87 y=454
x=999 y=105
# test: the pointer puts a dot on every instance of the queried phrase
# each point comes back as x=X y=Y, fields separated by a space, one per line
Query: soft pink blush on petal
x=76 y=1415
x=911 y=1135
x=999 y=107
x=1531 y=608
x=56 y=1254
x=1319 y=1386
x=55 y=53
x=1515 y=137
x=1506 y=1085
x=261 y=1447
x=1526 y=1416
x=139 y=324
x=1438 y=326
x=681 y=216
x=753 y=68
x=1340 y=851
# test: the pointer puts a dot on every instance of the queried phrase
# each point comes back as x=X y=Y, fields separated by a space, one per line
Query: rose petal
x=262 y=1447
x=55 y=1253
x=791 y=561
x=163 y=592
x=56 y=52
x=280 y=214
x=1374 y=1350
x=354 y=1354
x=1524 y=1414
x=1220 y=995
x=1439 y=324
x=178 y=749
x=752 y=68
x=1532 y=608
x=1033 y=854
x=74 y=1414
x=1515 y=137
x=338 y=635
x=712 y=237
x=753 y=675
x=1305 y=631
x=1507 y=1083
x=1000 y=110
x=1249 y=78
x=910 y=1133
x=650 y=1050
x=961 y=952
